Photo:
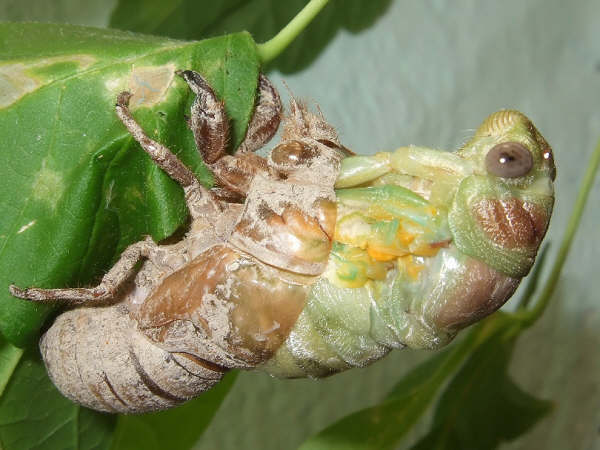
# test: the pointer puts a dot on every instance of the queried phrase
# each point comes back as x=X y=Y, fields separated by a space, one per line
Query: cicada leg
x=208 y=120
x=266 y=118
x=108 y=287
x=199 y=200
x=432 y=174
x=358 y=170
x=209 y=124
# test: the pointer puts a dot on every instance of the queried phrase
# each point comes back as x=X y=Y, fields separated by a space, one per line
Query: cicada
x=304 y=263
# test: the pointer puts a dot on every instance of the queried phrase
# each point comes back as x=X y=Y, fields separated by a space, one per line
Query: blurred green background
x=427 y=73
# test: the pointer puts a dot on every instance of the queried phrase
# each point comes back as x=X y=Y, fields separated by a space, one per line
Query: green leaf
x=176 y=429
x=380 y=426
x=34 y=415
x=482 y=407
x=387 y=424
x=76 y=188
x=195 y=19
x=9 y=358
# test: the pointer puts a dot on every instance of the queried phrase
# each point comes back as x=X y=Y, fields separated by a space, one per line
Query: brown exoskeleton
x=171 y=332
x=281 y=272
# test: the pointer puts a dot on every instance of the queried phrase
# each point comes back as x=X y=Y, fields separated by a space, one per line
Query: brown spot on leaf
x=149 y=84
x=19 y=79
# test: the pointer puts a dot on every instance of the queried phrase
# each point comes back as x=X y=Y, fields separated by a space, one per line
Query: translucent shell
x=223 y=307
x=289 y=226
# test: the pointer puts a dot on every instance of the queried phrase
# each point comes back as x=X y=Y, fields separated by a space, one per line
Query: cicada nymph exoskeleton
x=303 y=263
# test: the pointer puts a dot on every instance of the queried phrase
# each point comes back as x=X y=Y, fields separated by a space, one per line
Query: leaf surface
x=193 y=19
x=480 y=408
x=9 y=359
x=35 y=416
x=175 y=429
x=77 y=188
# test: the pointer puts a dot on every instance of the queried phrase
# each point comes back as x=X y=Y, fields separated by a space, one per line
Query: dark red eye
x=509 y=160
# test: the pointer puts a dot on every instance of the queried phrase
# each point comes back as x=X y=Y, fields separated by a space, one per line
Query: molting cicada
x=305 y=263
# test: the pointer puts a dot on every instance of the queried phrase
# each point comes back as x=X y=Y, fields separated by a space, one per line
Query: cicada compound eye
x=292 y=155
x=509 y=160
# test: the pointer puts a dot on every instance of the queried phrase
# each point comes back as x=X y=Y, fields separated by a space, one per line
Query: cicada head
x=501 y=211
x=508 y=146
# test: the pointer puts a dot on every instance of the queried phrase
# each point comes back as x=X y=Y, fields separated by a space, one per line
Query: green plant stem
x=588 y=181
x=271 y=49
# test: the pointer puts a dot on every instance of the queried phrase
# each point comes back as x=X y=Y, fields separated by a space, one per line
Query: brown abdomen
x=225 y=308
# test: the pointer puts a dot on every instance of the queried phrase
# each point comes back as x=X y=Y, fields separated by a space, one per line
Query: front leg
x=266 y=118
x=199 y=200
x=209 y=125
x=108 y=287
x=208 y=121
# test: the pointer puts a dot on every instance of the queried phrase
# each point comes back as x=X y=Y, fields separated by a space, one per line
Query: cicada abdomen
x=97 y=357
x=305 y=263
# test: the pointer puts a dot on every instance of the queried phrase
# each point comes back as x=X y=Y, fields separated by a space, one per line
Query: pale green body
x=361 y=308
x=341 y=328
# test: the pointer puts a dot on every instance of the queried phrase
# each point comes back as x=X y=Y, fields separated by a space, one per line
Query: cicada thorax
x=278 y=229
x=236 y=303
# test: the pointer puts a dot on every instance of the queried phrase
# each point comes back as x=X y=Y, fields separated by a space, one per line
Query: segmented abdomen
x=97 y=357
